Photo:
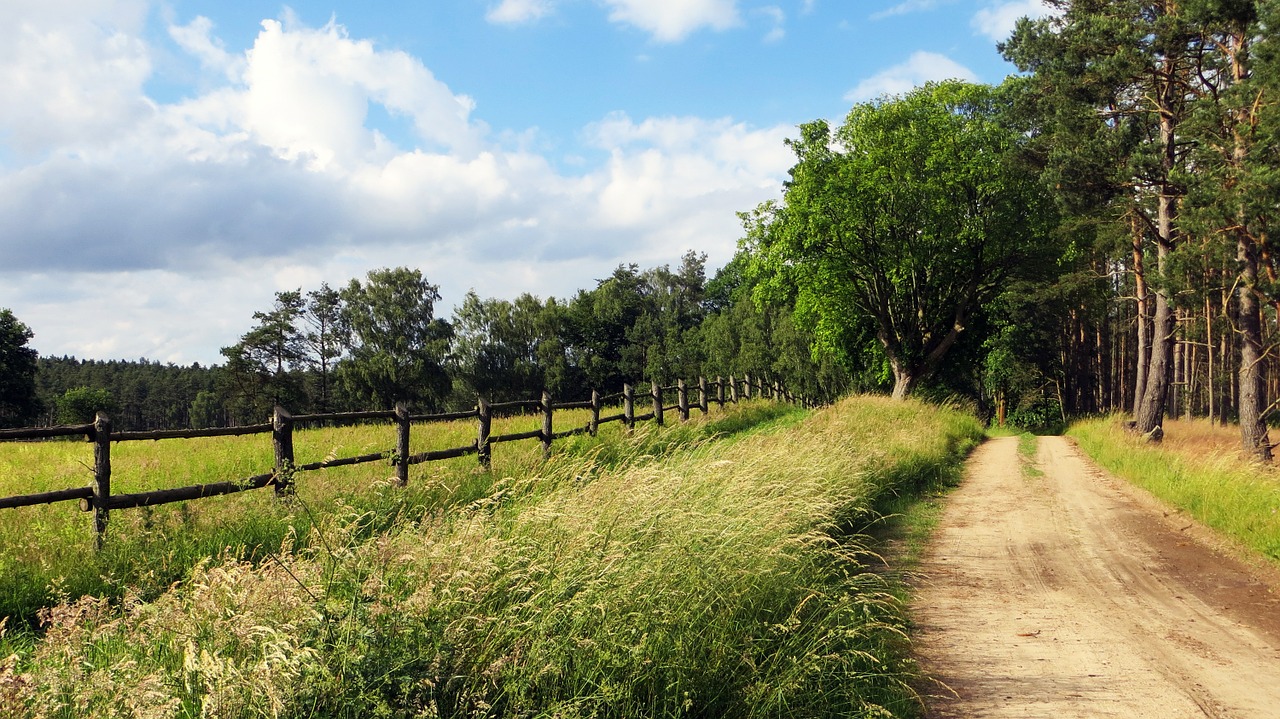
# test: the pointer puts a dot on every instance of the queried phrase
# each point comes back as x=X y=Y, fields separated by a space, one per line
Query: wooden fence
x=97 y=497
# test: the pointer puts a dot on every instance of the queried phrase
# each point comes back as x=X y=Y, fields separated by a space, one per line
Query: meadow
x=647 y=578
x=47 y=552
x=1198 y=469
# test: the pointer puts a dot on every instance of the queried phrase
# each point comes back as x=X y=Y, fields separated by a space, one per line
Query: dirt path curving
x=1072 y=594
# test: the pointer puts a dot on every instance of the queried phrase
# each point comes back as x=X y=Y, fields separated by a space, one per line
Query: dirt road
x=1072 y=594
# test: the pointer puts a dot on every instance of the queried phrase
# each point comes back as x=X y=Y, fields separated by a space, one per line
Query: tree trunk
x=1253 y=388
x=904 y=379
x=1144 y=341
x=1150 y=413
x=1253 y=428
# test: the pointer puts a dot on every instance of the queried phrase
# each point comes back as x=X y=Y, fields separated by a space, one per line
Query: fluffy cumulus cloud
x=920 y=68
x=674 y=20
x=997 y=21
x=131 y=226
x=71 y=72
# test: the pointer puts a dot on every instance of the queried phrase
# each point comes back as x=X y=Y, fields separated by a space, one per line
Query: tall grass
x=1198 y=469
x=724 y=580
x=47 y=554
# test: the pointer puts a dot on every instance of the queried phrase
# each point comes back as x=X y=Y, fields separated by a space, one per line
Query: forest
x=1090 y=236
x=378 y=340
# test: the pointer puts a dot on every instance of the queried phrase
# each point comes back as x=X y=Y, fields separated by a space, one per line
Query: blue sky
x=165 y=167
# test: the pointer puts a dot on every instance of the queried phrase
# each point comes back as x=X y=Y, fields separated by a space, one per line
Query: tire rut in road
x=1066 y=595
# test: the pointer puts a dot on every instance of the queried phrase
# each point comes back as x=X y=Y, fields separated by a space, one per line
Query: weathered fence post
x=594 y=426
x=720 y=391
x=485 y=423
x=402 y=444
x=733 y=390
x=702 y=393
x=628 y=407
x=547 y=428
x=101 y=477
x=746 y=386
x=683 y=400
x=657 y=402
x=282 y=441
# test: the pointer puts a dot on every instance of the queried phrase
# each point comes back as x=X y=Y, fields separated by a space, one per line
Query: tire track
x=1067 y=595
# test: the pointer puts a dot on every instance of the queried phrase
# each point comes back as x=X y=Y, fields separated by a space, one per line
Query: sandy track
x=1073 y=595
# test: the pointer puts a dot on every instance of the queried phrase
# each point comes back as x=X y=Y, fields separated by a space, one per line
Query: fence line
x=97 y=497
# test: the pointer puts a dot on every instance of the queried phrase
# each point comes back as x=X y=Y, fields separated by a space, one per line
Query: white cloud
x=167 y=225
x=197 y=40
x=777 y=19
x=906 y=8
x=920 y=68
x=674 y=20
x=308 y=92
x=518 y=11
x=997 y=21
x=71 y=72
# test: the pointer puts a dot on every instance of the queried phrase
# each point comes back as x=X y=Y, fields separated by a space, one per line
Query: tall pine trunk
x=1140 y=292
x=1150 y=414
x=1253 y=389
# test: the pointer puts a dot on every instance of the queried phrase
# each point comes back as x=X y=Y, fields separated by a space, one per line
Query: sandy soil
x=1073 y=594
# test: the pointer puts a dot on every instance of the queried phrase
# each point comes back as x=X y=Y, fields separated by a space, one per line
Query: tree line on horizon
x=378 y=340
x=1091 y=235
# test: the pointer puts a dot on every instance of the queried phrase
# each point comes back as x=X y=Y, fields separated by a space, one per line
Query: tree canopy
x=18 y=403
x=902 y=226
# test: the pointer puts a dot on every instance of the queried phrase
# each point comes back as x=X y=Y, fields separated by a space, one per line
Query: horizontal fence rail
x=99 y=499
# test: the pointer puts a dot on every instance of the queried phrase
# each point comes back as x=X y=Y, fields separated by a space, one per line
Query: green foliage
x=325 y=338
x=508 y=350
x=639 y=325
x=205 y=410
x=261 y=369
x=80 y=405
x=399 y=346
x=897 y=230
x=18 y=402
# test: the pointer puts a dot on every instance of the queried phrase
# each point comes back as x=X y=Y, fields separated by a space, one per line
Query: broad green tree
x=399 y=346
x=18 y=403
x=903 y=224
x=80 y=405
x=497 y=349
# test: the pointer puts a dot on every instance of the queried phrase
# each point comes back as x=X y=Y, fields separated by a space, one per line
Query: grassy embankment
x=723 y=580
x=1199 y=469
x=46 y=552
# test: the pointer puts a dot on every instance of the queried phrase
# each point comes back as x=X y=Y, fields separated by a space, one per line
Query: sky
x=167 y=167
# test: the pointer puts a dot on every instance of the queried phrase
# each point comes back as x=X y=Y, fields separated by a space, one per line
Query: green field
x=663 y=576
x=1199 y=469
x=46 y=552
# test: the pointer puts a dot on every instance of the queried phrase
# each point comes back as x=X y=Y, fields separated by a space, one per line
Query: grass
x=1028 y=447
x=718 y=579
x=1199 y=469
x=47 y=555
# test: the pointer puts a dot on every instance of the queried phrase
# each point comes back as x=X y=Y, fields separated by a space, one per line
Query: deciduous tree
x=904 y=223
